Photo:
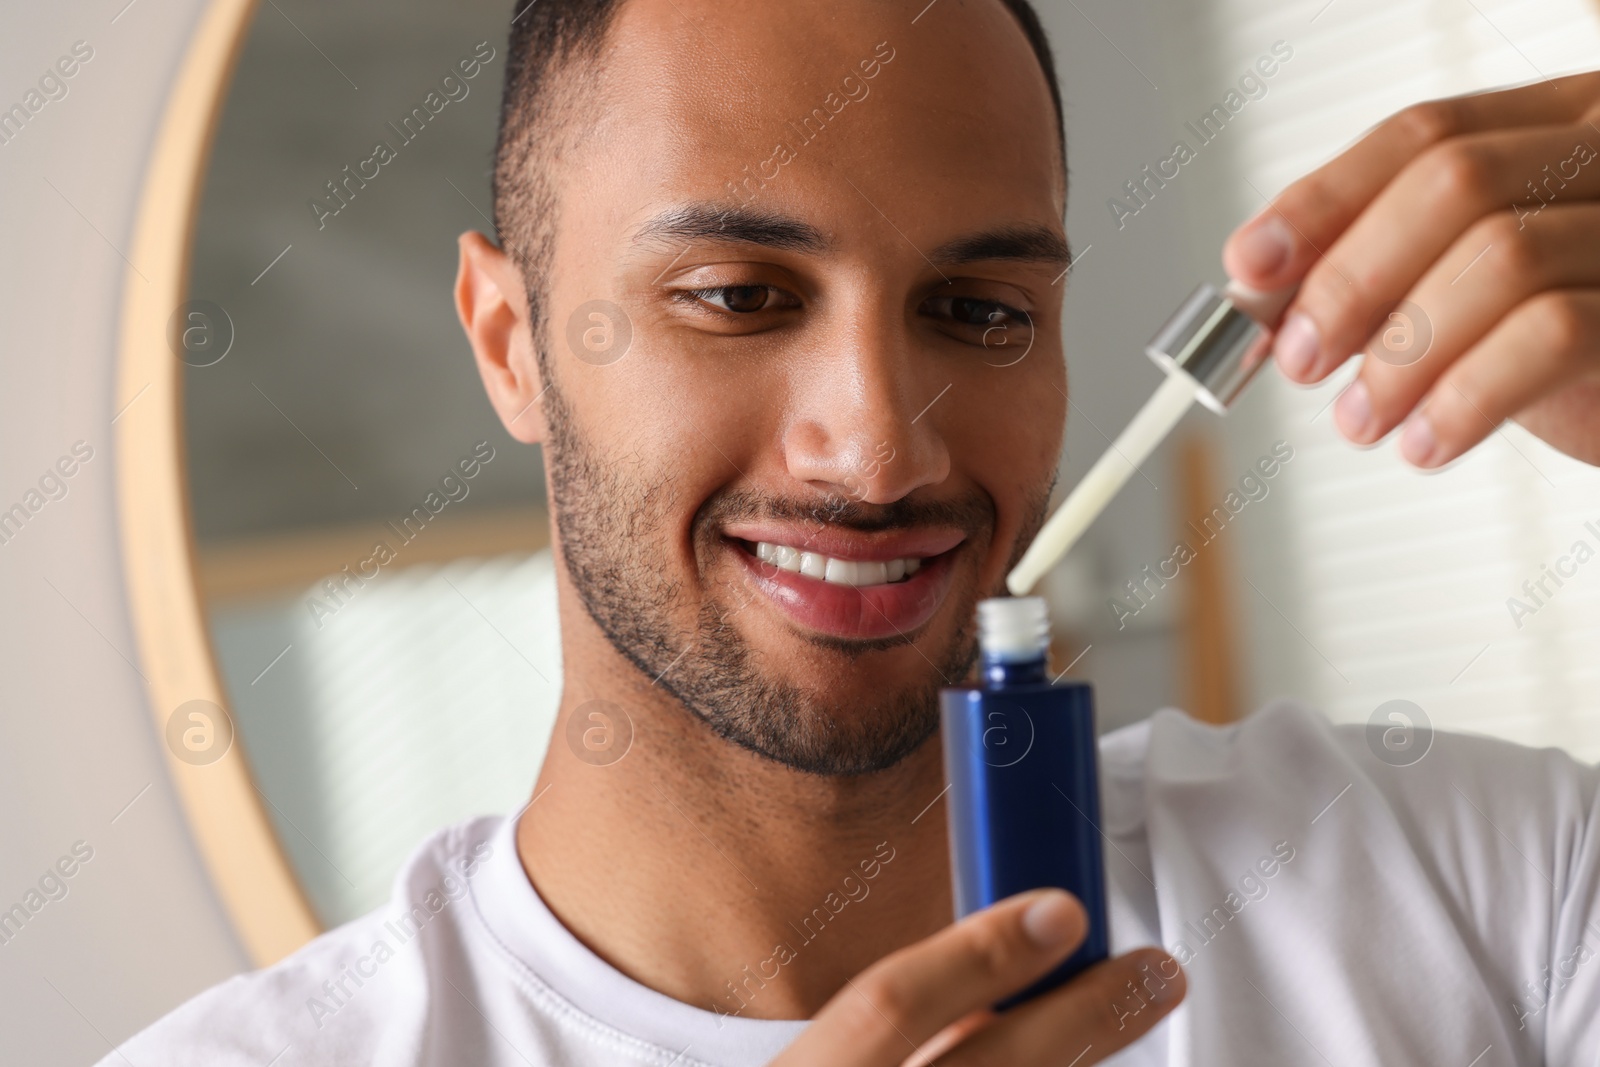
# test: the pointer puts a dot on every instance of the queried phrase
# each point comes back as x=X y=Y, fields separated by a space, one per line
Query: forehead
x=695 y=97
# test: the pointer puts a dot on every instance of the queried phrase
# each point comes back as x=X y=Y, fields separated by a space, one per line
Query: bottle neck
x=997 y=673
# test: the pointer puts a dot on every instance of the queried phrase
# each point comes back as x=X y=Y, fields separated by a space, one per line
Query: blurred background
x=376 y=710
x=373 y=712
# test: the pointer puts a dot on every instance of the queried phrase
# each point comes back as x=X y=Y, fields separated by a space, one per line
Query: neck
x=718 y=877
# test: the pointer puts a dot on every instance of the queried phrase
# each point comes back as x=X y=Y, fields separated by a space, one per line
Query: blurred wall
x=139 y=929
x=1125 y=69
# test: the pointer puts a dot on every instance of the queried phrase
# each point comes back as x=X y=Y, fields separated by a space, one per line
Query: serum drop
x=1022 y=761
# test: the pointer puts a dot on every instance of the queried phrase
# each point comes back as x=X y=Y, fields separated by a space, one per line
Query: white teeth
x=837 y=571
x=848 y=572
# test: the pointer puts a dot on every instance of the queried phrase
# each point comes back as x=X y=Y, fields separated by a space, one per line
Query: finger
x=1415 y=220
x=1545 y=344
x=1105 y=1009
x=948 y=1038
x=1277 y=247
x=1498 y=264
x=897 y=1004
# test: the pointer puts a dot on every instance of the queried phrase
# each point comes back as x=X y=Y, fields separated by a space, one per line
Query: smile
x=850 y=585
x=837 y=571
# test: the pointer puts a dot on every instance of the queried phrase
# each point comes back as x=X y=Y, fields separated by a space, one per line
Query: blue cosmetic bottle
x=1022 y=761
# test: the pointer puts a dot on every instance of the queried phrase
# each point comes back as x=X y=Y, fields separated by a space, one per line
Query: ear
x=493 y=307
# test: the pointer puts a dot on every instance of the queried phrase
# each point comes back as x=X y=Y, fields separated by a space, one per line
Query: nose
x=867 y=414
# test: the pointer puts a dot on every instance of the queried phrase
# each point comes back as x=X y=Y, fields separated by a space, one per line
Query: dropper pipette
x=1210 y=348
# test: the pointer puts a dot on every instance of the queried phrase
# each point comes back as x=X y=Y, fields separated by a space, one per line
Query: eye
x=989 y=323
x=741 y=299
x=971 y=311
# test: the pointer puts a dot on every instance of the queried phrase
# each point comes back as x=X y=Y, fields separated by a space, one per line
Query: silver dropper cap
x=1212 y=340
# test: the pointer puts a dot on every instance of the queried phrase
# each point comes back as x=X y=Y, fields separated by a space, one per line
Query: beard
x=610 y=526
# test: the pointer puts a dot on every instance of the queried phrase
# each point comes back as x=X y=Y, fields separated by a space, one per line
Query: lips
x=848 y=587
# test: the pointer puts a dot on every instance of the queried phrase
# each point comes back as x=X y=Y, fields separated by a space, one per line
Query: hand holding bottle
x=929 y=1002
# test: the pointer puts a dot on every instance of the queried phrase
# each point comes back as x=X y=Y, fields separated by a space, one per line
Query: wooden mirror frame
x=247 y=864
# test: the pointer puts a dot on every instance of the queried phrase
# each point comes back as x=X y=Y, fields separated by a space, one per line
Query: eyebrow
x=1028 y=243
x=712 y=222
x=739 y=225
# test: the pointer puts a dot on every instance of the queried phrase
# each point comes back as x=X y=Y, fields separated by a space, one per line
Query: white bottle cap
x=1013 y=628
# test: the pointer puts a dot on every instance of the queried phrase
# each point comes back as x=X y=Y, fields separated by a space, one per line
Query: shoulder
x=1485 y=814
x=344 y=992
x=1472 y=810
x=1401 y=754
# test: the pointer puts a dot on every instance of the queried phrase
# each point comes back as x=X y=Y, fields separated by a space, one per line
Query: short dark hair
x=546 y=37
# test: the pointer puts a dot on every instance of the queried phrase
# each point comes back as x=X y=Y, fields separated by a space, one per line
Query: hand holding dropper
x=1210 y=348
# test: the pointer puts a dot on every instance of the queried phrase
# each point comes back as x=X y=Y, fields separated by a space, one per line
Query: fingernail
x=1265 y=245
x=1051 y=920
x=1296 y=346
x=1418 y=443
x=1353 y=411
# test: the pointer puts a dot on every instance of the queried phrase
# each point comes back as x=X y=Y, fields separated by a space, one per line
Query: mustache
x=972 y=513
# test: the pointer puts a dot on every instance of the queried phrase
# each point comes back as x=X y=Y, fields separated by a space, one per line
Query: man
x=763 y=273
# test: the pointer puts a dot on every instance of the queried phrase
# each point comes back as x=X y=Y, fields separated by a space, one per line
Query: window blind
x=1406 y=585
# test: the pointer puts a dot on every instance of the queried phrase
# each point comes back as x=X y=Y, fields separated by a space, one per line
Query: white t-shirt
x=1328 y=907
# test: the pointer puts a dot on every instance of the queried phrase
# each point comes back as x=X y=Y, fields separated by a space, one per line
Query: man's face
x=835 y=238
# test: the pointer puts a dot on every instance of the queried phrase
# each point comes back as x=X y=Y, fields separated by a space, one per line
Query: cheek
x=673 y=430
x=1007 y=439
x=1015 y=422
